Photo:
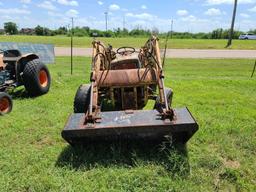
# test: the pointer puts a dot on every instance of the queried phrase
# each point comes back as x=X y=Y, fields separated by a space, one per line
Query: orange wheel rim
x=4 y=105
x=43 y=78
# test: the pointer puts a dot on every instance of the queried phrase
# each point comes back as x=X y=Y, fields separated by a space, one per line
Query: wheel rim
x=43 y=78
x=4 y=105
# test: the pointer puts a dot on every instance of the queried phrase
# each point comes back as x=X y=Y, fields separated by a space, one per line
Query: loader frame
x=128 y=82
x=102 y=58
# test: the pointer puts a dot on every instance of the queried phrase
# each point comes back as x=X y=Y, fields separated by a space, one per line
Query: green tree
x=253 y=31
x=11 y=28
x=87 y=29
x=44 y=31
x=61 y=31
x=39 y=30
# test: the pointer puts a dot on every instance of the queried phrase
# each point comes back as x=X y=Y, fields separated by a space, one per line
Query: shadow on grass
x=19 y=93
x=173 y=158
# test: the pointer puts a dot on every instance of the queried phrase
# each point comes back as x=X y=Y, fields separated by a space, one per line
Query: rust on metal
x=122 y=83
x=139 y=125
x=126 y=78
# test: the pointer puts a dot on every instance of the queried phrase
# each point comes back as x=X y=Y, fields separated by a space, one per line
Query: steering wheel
x=125 y=50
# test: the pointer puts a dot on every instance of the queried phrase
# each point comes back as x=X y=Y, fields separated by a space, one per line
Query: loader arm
x=101 y=58
x=152 y=49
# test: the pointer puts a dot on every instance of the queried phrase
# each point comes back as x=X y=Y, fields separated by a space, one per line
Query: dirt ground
x=173 y=53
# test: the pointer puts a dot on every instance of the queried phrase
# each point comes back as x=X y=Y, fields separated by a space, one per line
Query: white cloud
x=55 y=14
x=246 y=22
x=190 y=18
x=143 y=7
x=213 y=12
x=47 y=5
x=72 y=13
x=14 y=11
x=192 y=23
x=114 y=7
x=218 y=2
x=25 y=1
x=144 y=16
x=67 y=2
x=135 y=17
x=100 y=2
x=182 y=12
x=244 y=15
x=193 y=19
x=253 y=9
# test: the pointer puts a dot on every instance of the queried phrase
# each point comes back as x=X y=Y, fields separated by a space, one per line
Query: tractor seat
x=11 y=55
x=126 y=78
x=125 y=62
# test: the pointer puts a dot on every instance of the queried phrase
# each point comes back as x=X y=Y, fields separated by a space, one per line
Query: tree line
x=11 y=28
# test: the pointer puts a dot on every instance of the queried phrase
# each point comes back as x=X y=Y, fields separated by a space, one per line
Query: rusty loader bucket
x=131 y=125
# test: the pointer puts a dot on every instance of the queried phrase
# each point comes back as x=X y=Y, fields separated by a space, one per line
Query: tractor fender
x=21 y=63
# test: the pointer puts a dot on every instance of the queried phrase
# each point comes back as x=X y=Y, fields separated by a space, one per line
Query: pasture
x=219 y=157
x=64 y=41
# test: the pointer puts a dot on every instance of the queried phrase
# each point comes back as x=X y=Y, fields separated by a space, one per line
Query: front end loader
x=121 y=84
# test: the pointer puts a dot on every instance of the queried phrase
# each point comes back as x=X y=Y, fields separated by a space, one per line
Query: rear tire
x=82 y=99
x=169 y=94
x=36 y=78
x=5 y=103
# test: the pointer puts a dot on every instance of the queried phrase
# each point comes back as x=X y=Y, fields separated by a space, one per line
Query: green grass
x=63 y=41
x=220 y=156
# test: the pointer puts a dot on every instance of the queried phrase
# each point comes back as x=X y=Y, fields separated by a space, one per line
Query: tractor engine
x=4 y=76
x=125 y=98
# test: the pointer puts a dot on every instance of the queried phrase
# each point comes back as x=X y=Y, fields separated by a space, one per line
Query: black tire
x=5 y=103
x=82 y=99
x=36 y=78
x=169 y=95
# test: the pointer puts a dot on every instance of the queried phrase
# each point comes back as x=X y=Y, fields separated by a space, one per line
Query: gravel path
x=174 y=53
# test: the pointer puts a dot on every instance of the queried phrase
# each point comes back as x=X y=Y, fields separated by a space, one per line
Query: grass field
x=220 y=157
x=63 y=41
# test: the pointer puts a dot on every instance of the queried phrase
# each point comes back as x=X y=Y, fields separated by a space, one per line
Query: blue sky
x=188 y=15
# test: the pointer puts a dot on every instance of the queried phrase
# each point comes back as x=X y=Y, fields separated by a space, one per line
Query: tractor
x=17 y=70
x=111 y=107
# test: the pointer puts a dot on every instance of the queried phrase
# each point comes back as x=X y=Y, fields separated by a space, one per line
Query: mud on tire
x=36 y=78
x=82 y=99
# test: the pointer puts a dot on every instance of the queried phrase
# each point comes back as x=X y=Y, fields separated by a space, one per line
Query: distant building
x=27 y=31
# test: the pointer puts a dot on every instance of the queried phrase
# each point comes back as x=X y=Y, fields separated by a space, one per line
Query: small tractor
x=111 y=106
x=17 y=70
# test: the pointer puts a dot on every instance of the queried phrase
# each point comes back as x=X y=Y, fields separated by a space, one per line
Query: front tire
x=5 y=103
x=82 y=99
x=36 y=78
